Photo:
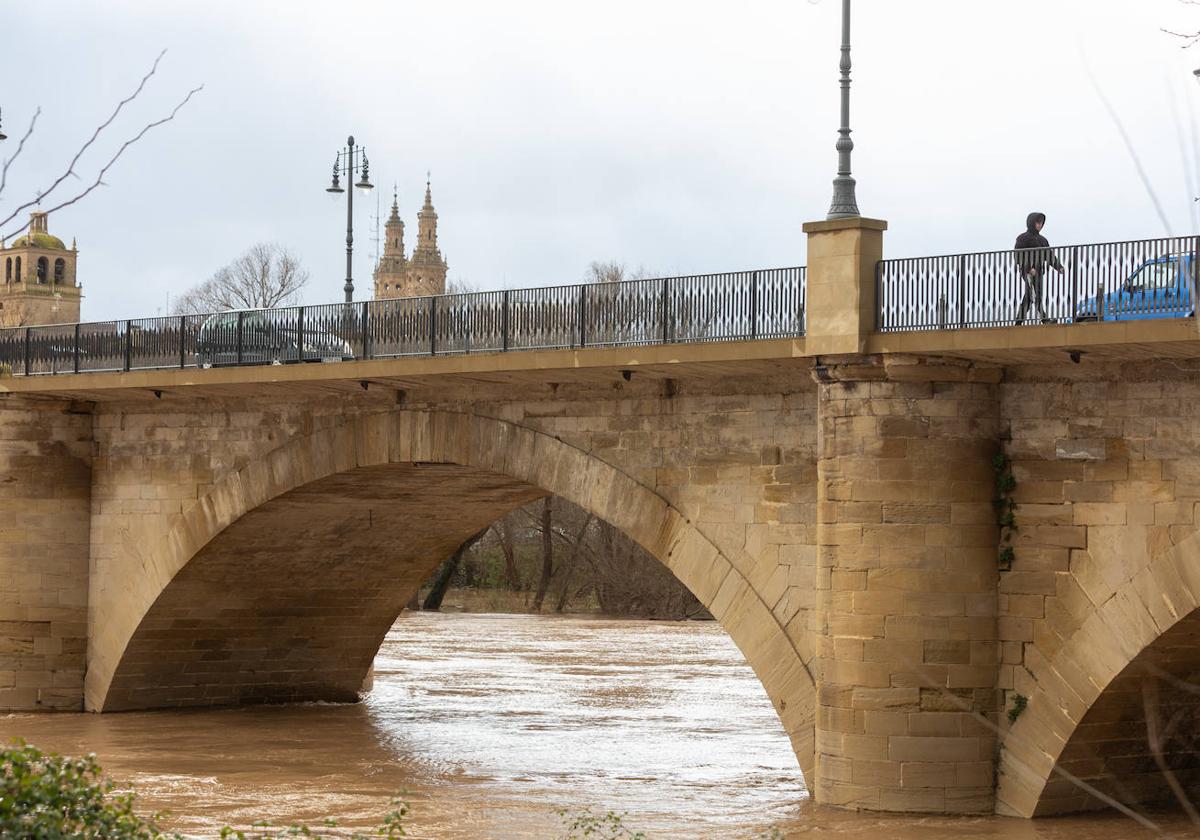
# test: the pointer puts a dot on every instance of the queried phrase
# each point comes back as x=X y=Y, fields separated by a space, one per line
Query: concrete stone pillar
x=906 y=580
x=45 y=492
x=840 y=310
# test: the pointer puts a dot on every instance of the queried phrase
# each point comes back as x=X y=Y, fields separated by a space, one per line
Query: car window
x=1160 y=275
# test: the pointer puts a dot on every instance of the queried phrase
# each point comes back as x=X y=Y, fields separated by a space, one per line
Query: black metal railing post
x=879 y=320
x=182 y=341
x=1195 y=273
x=962 y=291
x=28 y=350
x=300 y=334
x=366 y=328
x=1073 y=280
x=666 y=311
x=128 y=345
x=77 y=348
x=240 y=333
x=432 y=326
x=754 y=304
x=583 y=315
x=504 y=320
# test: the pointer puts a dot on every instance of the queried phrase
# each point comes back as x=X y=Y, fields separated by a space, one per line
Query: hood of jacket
x=1032 y=220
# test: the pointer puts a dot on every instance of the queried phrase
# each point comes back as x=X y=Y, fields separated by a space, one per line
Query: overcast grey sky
x=682 y=137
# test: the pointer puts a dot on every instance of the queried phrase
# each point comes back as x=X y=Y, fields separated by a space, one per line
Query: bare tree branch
x=117 y=156
x=70 y=171
x=1129 y=147
x=17 y=153
x=1156 y=740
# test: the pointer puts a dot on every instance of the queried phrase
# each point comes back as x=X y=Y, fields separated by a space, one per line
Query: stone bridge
x=201 y=537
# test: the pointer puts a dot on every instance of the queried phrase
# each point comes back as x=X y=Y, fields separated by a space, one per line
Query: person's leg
x=1039 y=297
x=1025 y=299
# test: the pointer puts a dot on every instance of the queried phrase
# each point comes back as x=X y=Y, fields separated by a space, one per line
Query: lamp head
x=364 y=183
x=335 y=187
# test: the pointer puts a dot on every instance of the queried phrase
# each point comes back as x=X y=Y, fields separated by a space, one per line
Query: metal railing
x=1153 y=278
x=712 y=307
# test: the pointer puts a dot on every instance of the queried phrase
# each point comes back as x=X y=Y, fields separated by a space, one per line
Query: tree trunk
x=512 y=576
x=547 y=554
x=568 y=565
x=433 y=601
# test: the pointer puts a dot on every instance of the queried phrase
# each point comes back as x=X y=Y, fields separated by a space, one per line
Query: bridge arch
x=162 y=649
x=1130 y=668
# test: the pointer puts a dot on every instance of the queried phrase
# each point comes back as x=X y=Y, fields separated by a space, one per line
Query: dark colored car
x=260 y=338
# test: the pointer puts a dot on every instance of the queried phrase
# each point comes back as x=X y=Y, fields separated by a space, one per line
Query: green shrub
x=44 y=796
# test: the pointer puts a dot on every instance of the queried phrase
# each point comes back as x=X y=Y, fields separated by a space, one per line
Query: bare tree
x=459 y=286
x=611 y=271
x=267 y=275
x=71 y=171
x=547 y=523
x=503 y=529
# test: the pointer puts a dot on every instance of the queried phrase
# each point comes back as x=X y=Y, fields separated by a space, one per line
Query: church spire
x=395 y=217
x=427 y=224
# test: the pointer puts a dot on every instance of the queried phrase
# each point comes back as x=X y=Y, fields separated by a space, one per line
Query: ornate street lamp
x=347 y=163
x=844 y=205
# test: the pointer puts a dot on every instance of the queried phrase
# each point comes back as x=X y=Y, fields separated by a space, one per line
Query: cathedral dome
x=39 y=240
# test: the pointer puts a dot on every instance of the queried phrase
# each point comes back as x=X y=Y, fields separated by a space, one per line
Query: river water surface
x=493 y=723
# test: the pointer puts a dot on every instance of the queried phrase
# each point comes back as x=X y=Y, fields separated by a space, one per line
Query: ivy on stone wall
x=1020 y=701
x=1005 y=507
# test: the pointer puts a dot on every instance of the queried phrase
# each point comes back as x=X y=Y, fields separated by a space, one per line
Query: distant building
x=424 y=273
x=39 y=278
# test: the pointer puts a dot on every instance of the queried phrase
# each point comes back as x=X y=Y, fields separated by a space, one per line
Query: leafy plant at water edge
x=597 y=827
x=44 y=796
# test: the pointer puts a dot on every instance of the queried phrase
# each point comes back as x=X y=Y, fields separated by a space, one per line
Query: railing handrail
x=1040 y=248
x=739 y=305
x=479 y=292
x=1011 y=288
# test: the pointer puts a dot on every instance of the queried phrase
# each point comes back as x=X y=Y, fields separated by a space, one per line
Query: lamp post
x=347 y=163
x=844 y=205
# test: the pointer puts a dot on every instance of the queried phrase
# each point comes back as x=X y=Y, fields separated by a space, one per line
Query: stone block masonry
x=45 y=496
x=906 y=586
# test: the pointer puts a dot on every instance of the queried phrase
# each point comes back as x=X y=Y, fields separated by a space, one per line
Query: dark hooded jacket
x=1032 y=239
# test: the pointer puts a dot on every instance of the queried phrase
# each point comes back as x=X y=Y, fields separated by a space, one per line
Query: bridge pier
x=907 y=602
x=45 y=492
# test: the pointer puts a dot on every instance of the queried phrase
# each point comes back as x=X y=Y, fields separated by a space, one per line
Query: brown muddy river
x=491 y=724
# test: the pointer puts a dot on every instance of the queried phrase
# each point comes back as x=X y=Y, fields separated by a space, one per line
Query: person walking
x=1033 y=254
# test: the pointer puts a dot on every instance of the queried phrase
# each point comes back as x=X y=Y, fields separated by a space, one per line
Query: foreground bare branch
x=1157 y=740
x=99 y=180
x=70 y=170
x=17 y=153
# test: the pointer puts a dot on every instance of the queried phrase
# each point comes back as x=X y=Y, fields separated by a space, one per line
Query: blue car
x=1160 y=288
